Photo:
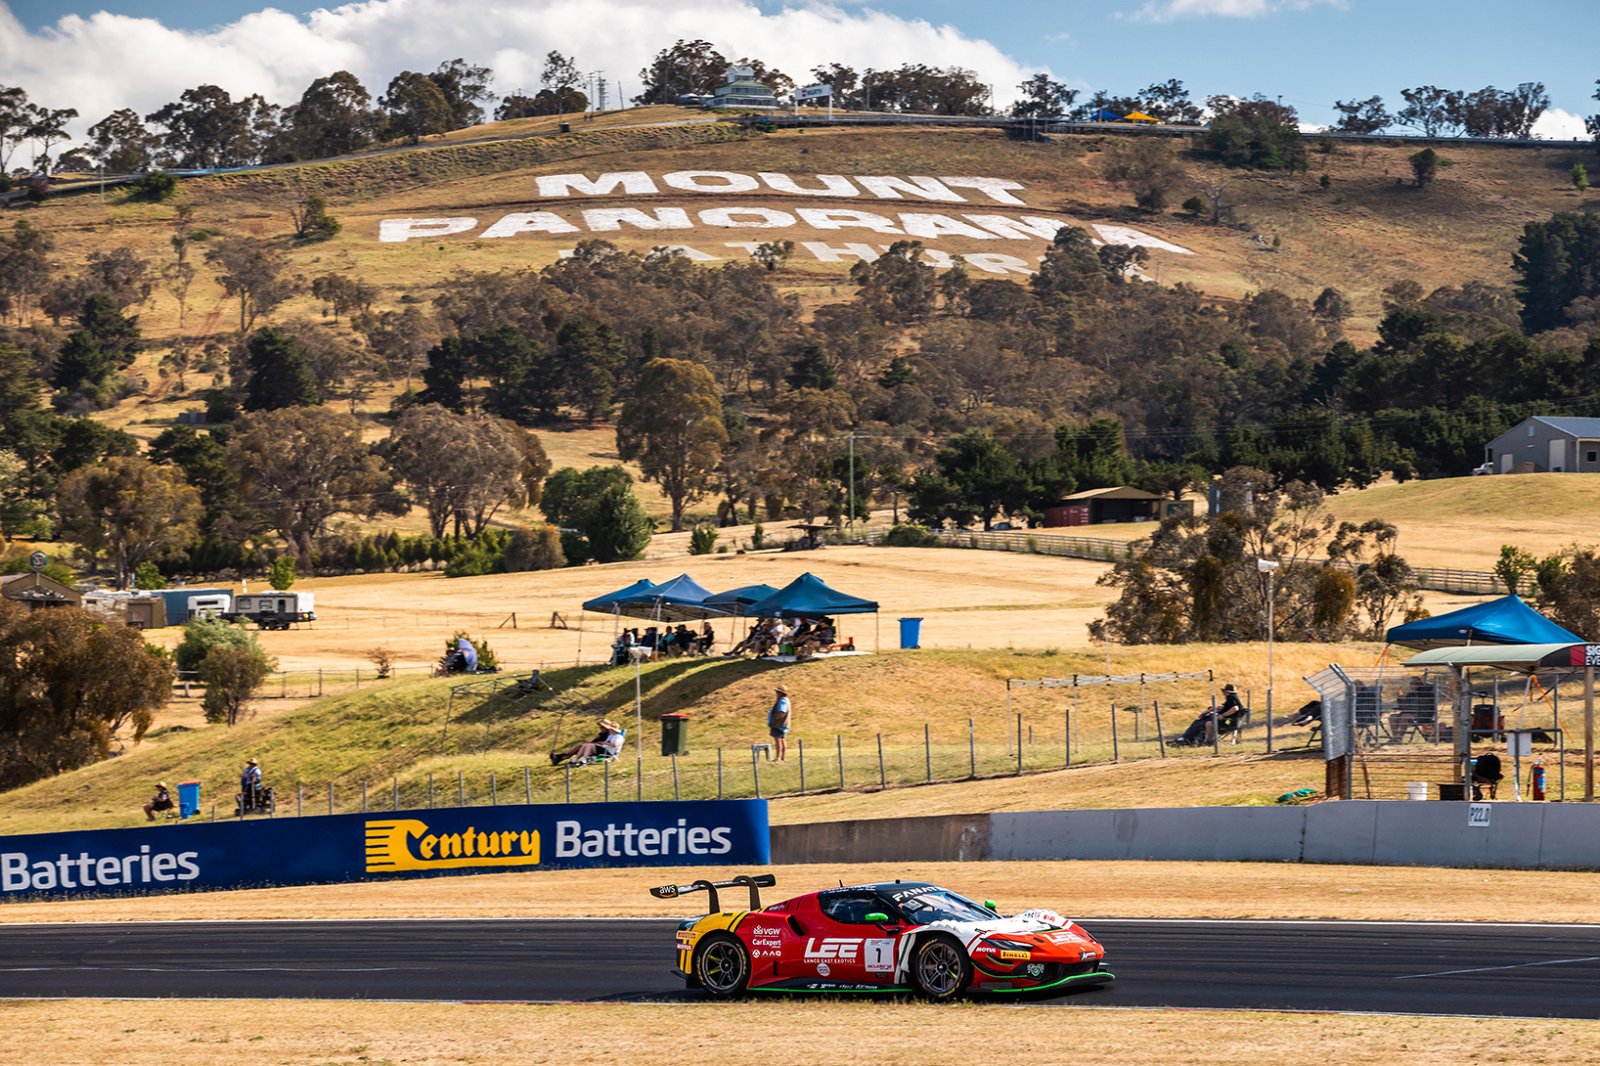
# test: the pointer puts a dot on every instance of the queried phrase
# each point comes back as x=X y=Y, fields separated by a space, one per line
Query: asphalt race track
x=1420 y=968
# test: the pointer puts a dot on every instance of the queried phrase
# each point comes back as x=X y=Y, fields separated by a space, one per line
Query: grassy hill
x=398 y=733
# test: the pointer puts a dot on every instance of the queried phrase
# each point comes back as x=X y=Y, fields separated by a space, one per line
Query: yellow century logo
x=408 y=844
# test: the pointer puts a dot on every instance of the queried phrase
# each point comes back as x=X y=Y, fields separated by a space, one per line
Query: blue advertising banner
x=358 y=847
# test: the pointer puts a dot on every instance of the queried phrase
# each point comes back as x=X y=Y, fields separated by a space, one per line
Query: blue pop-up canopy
x=1103 y=115
x=738 y=601
x=679 y=600
x=808 y=596
x=608 y=603
x=1504 y=621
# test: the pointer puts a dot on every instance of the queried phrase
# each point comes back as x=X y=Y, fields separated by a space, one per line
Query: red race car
x=895 y=936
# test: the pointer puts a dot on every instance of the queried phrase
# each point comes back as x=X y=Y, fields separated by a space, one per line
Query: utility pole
x=852 y=488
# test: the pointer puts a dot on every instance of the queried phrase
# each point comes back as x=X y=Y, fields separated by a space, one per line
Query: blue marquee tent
x=1103 y=115
x=808 y=596
x=1504 y=621
x=607 y=604
x=682 y=599
x=737 y=601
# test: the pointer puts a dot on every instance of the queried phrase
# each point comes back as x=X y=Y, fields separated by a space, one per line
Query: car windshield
x=942 y=905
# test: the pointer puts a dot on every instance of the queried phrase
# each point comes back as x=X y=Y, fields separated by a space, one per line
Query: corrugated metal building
x=1544 y=444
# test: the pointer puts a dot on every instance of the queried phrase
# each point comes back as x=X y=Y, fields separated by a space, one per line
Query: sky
x=98 y=56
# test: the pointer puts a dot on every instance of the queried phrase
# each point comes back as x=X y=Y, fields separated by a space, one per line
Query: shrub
x=475 y=561
x=383 y=659
x=910 y=535
x=280 y=575
x=148 y=576
x=703 y=539
x=538 y=548
x=204 y=634
x=1194 y=205
x=231 y=676
x=155 y=187
x=487 y=660
x=758 y=537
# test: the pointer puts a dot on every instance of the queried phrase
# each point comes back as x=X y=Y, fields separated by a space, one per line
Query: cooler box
x=674 y=734
x=188 y=799
x=911 y=632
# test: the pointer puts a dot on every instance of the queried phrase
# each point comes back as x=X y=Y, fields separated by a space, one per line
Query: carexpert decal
x=322 y=850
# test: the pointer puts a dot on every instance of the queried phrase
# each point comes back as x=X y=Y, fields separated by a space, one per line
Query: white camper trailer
x=274 y=610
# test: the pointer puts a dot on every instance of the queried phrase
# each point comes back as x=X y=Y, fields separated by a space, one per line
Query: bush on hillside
x=910 y=535
x=203 y=635
x=155 y=187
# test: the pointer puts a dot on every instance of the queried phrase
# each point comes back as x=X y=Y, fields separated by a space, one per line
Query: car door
x=847 y=948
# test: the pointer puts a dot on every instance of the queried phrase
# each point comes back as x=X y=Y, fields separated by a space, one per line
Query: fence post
x=605 y=766
x=494 y=792
x=319 y=682
x=1161 y=736
x=1116 y=752
x=299 y=800
x=972 y=750
x=675 y=777
x=1066 y=734
x=638 y=777
x=1019 y=742
x=1269 y=723
x=527 y=784
x=927 y=751
x=330 y=797
x=461 y=788
x=358 y=679
x=719 y=773
x=569 y=782
x=395 y=794
x=882 y=781
x=755 y=769
x=283 y=685
x=838 y=746
x=430 y=791
x=801 y=742
x=363 y=797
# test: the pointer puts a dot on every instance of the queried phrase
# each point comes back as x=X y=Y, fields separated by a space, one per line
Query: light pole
x=638 y=724
x=1270 y=568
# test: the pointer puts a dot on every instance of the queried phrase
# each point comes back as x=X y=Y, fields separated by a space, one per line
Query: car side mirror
x=877 y=916
x=989 y=905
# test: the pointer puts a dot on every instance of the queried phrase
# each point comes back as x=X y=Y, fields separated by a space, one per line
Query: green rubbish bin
x=674 y=734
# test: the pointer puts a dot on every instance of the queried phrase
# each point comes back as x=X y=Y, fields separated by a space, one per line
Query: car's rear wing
x=755 y=884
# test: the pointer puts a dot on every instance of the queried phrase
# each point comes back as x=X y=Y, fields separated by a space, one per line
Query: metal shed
x=1545 y=444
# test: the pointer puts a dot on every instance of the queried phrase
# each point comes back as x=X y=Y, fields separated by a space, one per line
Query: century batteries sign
x=321 y=850
x=859 y=214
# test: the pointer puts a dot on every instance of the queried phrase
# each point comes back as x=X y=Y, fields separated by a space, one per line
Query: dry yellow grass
x=1083 y=889
x=791 y=1033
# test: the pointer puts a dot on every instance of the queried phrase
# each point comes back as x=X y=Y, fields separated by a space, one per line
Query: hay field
x=791 y=1033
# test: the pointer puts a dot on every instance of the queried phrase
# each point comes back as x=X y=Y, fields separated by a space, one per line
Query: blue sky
x=1308 y=51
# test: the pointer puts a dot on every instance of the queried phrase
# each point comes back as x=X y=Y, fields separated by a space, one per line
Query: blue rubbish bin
x=188 y=799
x=911 y=632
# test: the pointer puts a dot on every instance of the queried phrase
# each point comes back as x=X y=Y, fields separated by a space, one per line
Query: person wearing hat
x=778 y=724
x=608 y=742
x=249 y=785
x=1224 y=719
x=161 y=801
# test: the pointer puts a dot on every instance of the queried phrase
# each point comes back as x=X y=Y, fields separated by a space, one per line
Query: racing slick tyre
x=940 y=968
x=722 y=965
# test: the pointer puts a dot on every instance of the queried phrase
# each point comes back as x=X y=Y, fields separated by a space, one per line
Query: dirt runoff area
x=791 y=1033
x=1080 y=889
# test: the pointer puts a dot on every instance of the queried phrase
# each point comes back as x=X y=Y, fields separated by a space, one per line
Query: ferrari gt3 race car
x=895 y=936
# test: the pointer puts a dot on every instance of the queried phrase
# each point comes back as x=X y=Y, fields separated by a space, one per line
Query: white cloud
x=1167 y=10
x=1558 y=125
x=105 y=61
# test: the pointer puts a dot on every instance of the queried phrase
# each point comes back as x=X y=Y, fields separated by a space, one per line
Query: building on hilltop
x=742 y=90
x=1543 y=444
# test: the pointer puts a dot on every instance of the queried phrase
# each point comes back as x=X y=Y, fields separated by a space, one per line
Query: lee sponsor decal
x=21 y=872
x=833 y=948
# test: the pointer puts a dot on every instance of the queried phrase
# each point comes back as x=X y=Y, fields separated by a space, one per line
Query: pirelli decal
x=408 y=844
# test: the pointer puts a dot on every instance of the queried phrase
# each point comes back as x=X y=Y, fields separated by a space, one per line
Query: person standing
x=778 y=724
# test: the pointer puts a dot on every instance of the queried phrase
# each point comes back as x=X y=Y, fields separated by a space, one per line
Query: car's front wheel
x=722 y=965
x=940 y=969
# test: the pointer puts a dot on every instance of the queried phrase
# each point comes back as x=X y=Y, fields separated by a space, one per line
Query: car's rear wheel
x=722 y=965
x=940 y=969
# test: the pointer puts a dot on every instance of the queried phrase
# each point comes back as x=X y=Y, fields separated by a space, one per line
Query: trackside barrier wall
x=343 y=848
x=1354 y=832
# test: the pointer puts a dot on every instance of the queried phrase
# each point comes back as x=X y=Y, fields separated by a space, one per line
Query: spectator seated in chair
x=161 y=801
x=1225 y=719
x=604 y=745
x=1486 y=771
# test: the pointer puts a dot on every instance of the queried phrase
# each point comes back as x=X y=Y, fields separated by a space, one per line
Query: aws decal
x=408 y=844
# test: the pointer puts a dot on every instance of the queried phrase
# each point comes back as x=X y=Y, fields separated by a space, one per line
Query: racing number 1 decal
x=880 y=955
